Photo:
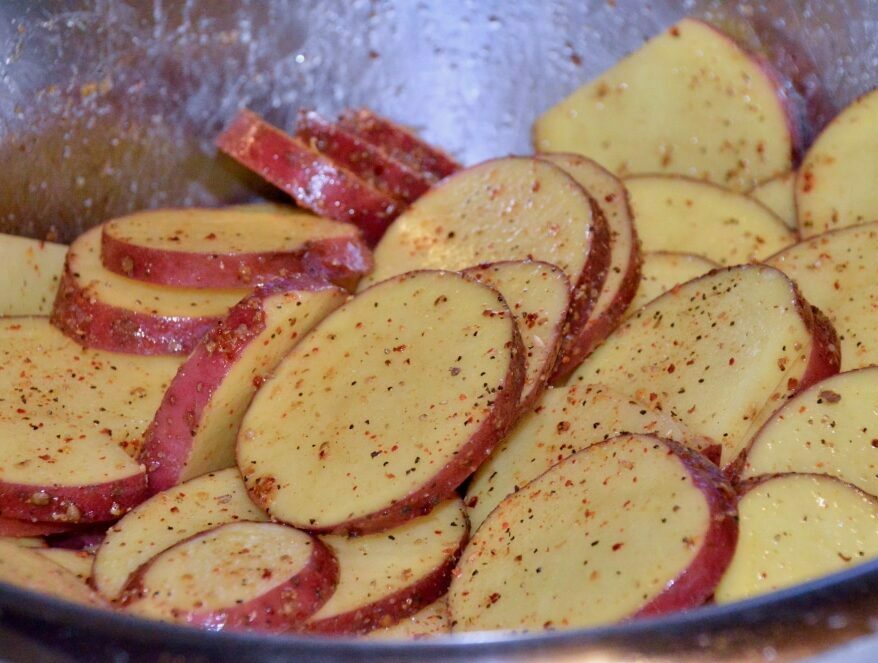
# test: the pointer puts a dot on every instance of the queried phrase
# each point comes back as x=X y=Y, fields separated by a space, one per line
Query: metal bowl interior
x=111 y=106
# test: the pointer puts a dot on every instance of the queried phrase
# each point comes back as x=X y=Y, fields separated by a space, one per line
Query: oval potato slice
x=675 y=213
x=387 y=406
x=30 y=271
x=634 y=526
x=427 y=623
x=797 y=527
x=78 y=562
x=779 y=195
x=664 y=270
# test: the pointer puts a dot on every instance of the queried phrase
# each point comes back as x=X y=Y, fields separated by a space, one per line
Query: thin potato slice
x=634 y=526
x=689 y=102
x=166 y=519
x=779 y=195
x=253 y=576
x=387 y=406
x=830 y=428
x=797 y=527
x=427 y=623
x=78 y=562
x=857 y=332
x=664 y=270
x=13 y=528
x=678 y=214
x=567 y=420
x=389 y=576
x=29 y=271
x=743 y=326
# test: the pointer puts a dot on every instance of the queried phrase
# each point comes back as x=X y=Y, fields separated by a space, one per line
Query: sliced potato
x=689 y=102
x=387 y=406
x=679 y=214
x=664 y=270
x=253 y=576
x=538 y=294
x=634 y=526
x=567 y=420
x=830 y=428
x=744 y=326
x=855 y=317
x=34 y=542
x=196 y=425
x=78 y=562
x=427 y=623
x=834 y=187
x=29 y=271
x=779 y=195
x=797 y=527
x=389 y=576
x=166 y=519
x=11 y=528
x=623 y=274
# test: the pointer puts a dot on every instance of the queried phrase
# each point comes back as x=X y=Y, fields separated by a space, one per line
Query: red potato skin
x=283 y=609
x=10 y=527
x=313 y=180
x=87 y=538
x=399 y=143
x=169 y=438
x=361 y=157
x=341 y=260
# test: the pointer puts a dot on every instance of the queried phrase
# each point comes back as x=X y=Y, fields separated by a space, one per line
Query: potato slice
x=798 y=527
x=104 y=310
x=29 y=569
x=779 y=195
x=678 y=214
x=33 y=542
x=830 y=428
x=78 y=562
x=737 y=131
x=399 y=143
x=29 y=271
x=743 y=326
x=624 y=271
x=11 y=528
x=834 y=187
x=389 y=404
x=313 y=180
x=196 y=425
x=567 y=420
x=538 y=294
x=253 y=576
x=71 y=422
x=664 y=270
x=166 y=519
x=635 y=526
x=427 y=623
x=390 y=576
x=838 y=273
x=232 y=247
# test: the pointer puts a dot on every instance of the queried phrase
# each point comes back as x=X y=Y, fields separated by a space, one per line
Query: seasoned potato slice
x=78 y=562
x=387 y=406
x=428 y=622
x=779 y=195
x=29 y=271
x=663 y=270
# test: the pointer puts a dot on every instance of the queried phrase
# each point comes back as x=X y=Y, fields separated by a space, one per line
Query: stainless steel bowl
x=109 y=106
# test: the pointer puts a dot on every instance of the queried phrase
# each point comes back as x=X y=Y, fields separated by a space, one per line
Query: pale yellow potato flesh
x=232 y=564
x=505 y=209
x=837 y=272
x=681 y=352
x=375 y=566
x=84 y=259
x=568 y=550
x=288 y=318
x=663 y=270
x=567 y=420
x=377 y=400
x=29 y=569
x=779 y=195
x=71 y=415
x=426 y=623
x=228 y=230
x=688 y=102
x=78 y=562
x=166 y=519
x=538 y=294
x=679 y=214
x=25 y=541
x=830 y=428
x=29 y=271
x=835 y=185
x=796 y=528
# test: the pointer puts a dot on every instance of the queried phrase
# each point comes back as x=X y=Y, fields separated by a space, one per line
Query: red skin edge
x=381 y=170
x=698 y=581
x=168 y=440
x=313 y=180
x=95 y=324
x=395 y=607
x=283 y=608
x=340 y=260
x=21 y=528
x=93 y=503
x=399 y=143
